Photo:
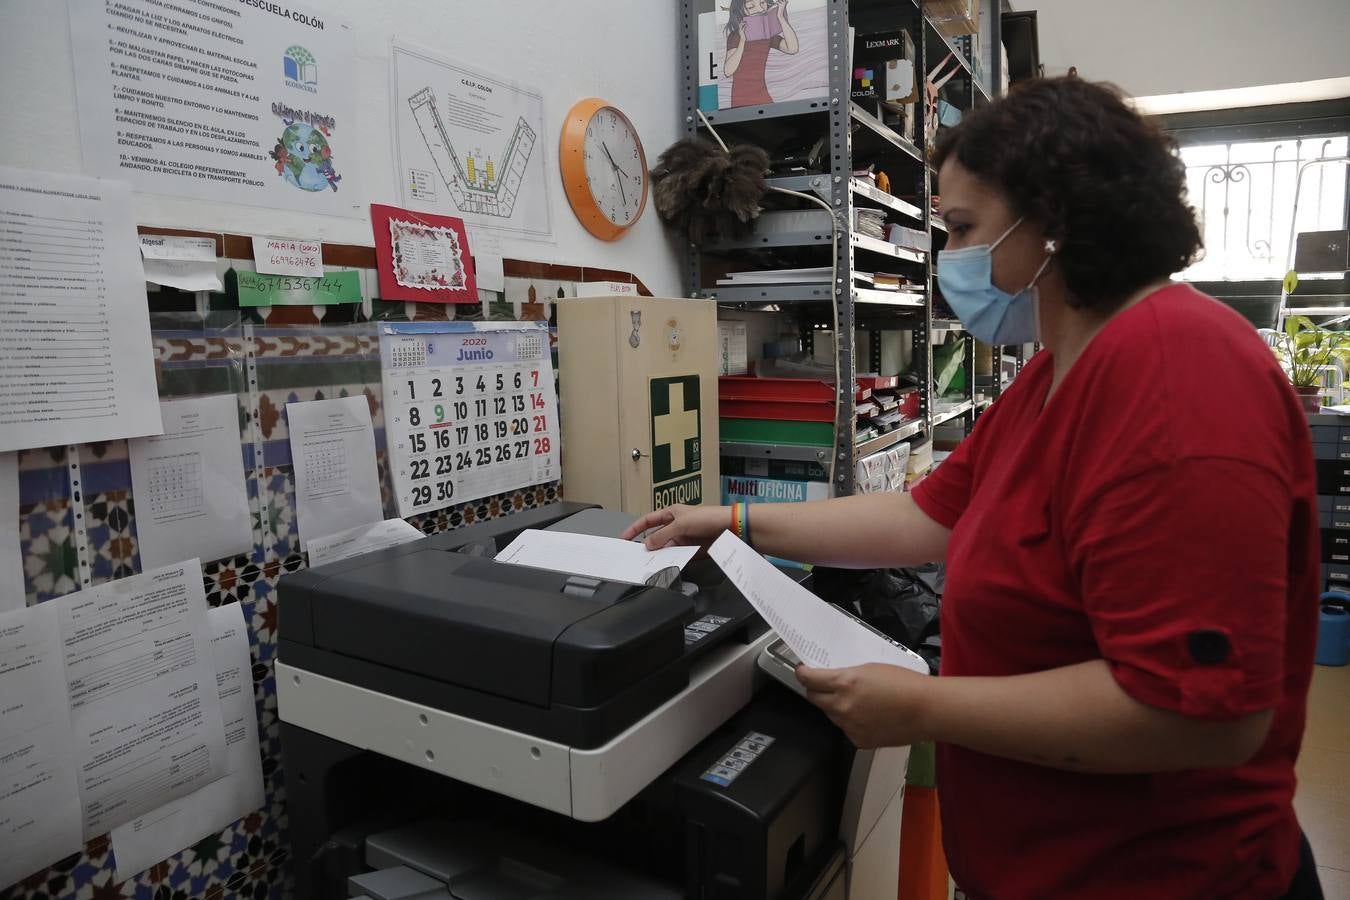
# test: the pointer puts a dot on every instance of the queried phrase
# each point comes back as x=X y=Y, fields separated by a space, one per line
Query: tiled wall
x=202 y=355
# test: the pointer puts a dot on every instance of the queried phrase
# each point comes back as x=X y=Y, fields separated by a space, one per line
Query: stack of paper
x=870 y=222
x=775 y=276
x=595 y=557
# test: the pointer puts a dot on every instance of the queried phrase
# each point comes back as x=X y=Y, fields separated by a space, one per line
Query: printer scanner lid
x=498 y=628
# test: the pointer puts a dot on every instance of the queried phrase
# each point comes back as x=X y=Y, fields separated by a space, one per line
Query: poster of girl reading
x=756 y=52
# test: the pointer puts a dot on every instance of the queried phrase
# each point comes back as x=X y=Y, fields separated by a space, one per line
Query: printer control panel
x=701 y=627
x=737 y=759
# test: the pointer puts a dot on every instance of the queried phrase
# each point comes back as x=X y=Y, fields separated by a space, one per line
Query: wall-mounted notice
x=293 y=290
x=188 y=483
x=186 y=263
x=469 y=144
x=287 y=256
x=233 y=102
x=39 y=801
x=143 y=702
x=470 y=410
x=75 y=358
x=337 y=485
x=421 y=257
x=142 y=842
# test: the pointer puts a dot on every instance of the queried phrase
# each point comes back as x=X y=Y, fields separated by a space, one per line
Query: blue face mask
x=966 y=277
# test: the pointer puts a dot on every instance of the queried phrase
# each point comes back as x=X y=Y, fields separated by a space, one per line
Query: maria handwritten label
x=256 y=289
x=288 y=256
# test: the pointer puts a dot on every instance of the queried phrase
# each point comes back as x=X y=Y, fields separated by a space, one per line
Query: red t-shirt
x=1158 y=512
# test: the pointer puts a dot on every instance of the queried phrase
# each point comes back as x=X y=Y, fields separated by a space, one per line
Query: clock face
x=615 y=166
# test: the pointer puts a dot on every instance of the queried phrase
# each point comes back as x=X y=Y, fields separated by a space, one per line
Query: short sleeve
x=1183 y=573
x=733 y=41
x=945 y=493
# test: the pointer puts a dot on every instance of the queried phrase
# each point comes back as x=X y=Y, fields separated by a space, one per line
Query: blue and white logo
x=300 y=69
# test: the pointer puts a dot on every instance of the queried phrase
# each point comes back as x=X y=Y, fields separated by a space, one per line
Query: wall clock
x=604 y=168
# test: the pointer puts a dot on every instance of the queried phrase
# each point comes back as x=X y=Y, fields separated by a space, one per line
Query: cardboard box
x=953 y=17
x=885 y=80
x=732 y=358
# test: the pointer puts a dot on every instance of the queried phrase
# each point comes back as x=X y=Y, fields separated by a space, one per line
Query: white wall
x=625 y=52
x=1151 y=47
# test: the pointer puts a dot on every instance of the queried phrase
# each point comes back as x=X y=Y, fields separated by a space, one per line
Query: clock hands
x=612 y=162
x=622 y=193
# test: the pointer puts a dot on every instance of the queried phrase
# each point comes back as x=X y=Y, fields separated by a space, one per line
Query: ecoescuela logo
x=300 y=69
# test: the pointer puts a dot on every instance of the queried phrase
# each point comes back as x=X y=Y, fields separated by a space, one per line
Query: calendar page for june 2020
x=470 y=410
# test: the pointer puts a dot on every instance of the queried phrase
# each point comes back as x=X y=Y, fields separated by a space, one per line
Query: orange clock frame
x=572 y=160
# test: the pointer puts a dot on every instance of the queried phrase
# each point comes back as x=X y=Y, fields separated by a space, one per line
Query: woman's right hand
x=681 y=526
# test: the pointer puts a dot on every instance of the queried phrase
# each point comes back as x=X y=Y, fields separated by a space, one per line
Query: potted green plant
x=1306 y=349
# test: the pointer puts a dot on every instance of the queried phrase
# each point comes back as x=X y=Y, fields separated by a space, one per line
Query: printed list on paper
x=76 y=363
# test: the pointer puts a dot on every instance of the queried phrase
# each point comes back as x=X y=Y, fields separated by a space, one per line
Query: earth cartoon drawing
x=304 y=158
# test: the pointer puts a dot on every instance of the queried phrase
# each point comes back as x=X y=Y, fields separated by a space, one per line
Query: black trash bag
x=899 y=603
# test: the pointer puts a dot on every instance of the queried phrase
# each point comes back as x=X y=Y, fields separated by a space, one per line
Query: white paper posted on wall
x=255 y=104
x=76 y=339
x=164 y=831
x=39 y=797
x=337 y=485
x=188 y=483
x=468 y=143
x=143 y=703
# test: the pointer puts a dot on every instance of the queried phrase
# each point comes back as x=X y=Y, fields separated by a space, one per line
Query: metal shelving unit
x=850 y=131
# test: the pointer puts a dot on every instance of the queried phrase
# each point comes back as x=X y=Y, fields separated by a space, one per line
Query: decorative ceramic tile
x=48 y=546
x=112 y=538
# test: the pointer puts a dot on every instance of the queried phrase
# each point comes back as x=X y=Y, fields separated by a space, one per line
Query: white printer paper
x=78 y=365
x=186 y=263
x=361 y=539
x=39 y=800
x=820 y=635
x=11 y=559
x=333 y=451
x=188 y=484
x=142 y=700
x=596 y=557
x=159 y=834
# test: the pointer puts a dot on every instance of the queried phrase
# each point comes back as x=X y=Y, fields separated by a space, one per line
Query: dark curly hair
x=1105 y=182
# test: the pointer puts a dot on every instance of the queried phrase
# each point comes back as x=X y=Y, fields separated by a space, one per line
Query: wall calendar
x=470 y=410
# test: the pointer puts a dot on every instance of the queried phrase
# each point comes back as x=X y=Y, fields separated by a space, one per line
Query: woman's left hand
x=875 y=705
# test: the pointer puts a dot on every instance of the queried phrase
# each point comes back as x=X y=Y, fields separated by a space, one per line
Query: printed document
x=333 y=453
x=39 y=800
x=75 y=358
x=143 y=703
x=821 y=635
x=596 y=557
x=361 y=539
x=161 y=833
x=188 y=484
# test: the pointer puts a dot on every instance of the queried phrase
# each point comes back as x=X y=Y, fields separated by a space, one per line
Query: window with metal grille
x=1243 y=194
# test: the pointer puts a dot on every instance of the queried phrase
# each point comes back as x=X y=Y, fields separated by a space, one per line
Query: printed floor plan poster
x=469 y=144
x=236 y=102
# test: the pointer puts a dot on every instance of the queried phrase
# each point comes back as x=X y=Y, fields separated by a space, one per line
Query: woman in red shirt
x=1129 y=617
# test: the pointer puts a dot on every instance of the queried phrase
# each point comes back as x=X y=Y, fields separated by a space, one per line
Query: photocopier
x=457 y=727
